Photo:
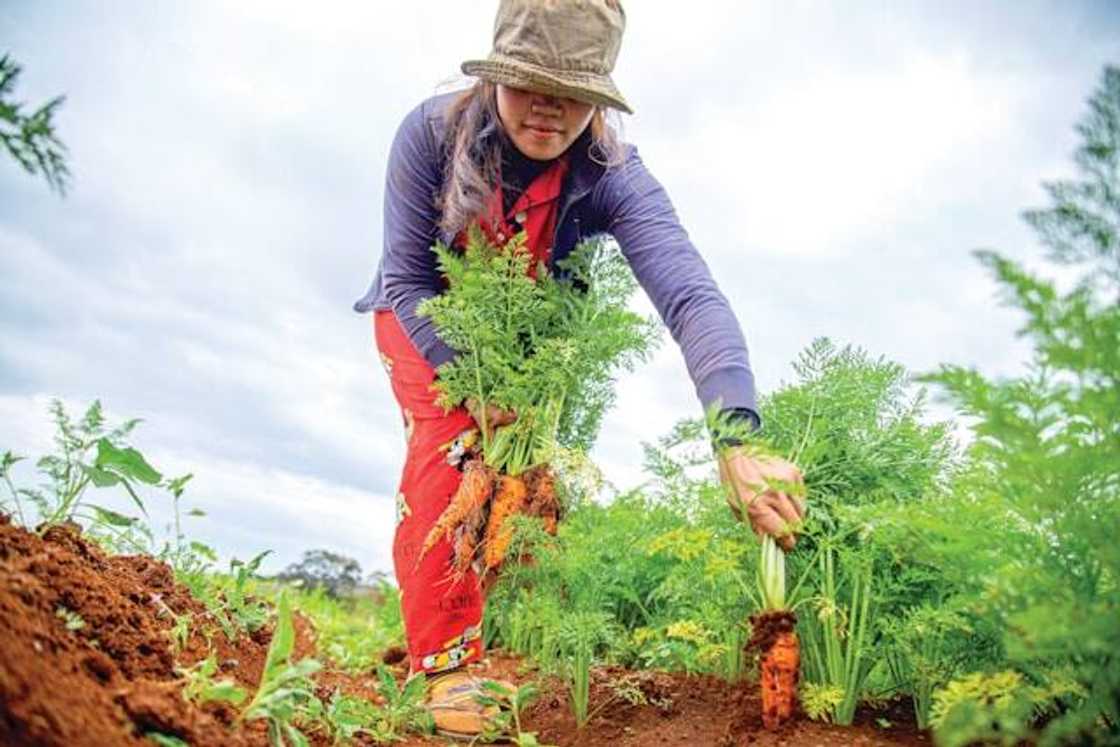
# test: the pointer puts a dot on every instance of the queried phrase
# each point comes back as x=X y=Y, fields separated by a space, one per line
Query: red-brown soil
x=677 y=709
x=112 y=680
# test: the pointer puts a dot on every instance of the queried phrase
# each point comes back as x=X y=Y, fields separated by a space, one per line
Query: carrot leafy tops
x=547 y=348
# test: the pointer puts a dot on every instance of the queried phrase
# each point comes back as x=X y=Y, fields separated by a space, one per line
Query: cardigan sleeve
x=669 y=268
x=408 y=265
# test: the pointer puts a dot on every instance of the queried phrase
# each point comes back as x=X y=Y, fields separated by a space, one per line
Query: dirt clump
x=767 y=627
x=86 y=658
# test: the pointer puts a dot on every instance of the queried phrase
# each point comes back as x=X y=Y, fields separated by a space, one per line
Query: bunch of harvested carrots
x=542 y=344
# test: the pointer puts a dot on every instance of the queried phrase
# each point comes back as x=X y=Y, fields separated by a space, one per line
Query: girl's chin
x=540 y=151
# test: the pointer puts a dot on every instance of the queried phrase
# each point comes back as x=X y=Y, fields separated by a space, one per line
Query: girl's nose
x=545 y=104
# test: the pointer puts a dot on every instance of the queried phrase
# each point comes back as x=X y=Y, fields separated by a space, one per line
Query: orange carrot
x=474 y=490
x=466 y=544
x=468 y=537
x=779 y=672
x=509 y=499
x=774 y=636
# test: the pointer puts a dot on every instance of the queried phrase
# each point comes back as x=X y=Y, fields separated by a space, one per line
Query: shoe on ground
x=452 y=700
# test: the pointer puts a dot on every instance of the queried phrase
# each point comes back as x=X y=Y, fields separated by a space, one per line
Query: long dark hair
x=474 y=152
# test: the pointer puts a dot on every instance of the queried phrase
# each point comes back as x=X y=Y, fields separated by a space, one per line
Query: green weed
x=285 y=696
x=509 y=705
x=201 y=687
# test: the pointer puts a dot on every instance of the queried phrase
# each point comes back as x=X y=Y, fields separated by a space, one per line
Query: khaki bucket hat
x=560 y=47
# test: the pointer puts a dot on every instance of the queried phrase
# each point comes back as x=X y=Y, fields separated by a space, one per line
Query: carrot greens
x=547 y=348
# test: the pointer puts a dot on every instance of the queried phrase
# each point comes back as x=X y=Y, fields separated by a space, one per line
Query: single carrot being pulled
x=473 y=492
x=509 y=499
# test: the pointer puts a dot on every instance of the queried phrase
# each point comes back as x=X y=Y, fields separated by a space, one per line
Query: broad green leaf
x=497 y=689
x=414 y=689
x=252 y=565
x=306 y=667
x=99 y=477
x=128 y=462
x=283 y=638
x=388 y=684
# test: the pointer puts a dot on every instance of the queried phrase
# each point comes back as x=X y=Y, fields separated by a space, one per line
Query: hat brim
x=592 y=88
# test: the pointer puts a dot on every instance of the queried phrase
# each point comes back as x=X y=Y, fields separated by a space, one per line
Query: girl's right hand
x=768 y=492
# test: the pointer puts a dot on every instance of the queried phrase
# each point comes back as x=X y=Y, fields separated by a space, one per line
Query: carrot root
x=542 y=497
x=469 y=500
x=509 y=499
x=773 y=635
x=779 y=674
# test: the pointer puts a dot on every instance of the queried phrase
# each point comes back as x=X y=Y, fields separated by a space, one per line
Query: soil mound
x=86 y=656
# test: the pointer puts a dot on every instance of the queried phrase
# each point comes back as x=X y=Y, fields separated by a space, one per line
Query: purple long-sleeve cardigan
x=625 y=201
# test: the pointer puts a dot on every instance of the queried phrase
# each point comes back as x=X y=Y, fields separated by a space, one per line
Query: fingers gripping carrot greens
x=546 y=348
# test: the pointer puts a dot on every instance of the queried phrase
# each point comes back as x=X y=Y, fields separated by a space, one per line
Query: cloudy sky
x=834 y=162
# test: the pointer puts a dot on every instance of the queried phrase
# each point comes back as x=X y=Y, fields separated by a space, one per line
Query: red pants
x=442 y=621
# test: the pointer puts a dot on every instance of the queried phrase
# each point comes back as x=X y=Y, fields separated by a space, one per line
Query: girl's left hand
x=495 y=416
x=771 y=489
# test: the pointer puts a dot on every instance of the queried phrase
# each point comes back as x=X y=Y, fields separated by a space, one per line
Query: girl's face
x=542 y=126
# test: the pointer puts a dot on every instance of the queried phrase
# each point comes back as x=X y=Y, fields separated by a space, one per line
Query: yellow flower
x=687 y=630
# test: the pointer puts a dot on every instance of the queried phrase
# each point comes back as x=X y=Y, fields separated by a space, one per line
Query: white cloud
x=250 y=506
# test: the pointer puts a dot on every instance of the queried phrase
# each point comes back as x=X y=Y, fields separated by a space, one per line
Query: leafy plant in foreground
x=89 y=453
x=285 y=695
x=930 y=645
x=1047 y=455
x=201 y=687
x=581 y=633
x=348 y=716
x=227 y=597
x=404 y=706
x=856 y=430
x=509 y=704
x=400 y=711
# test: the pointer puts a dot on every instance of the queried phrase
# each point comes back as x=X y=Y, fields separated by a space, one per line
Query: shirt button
x=501 y=236
x=521 y=217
